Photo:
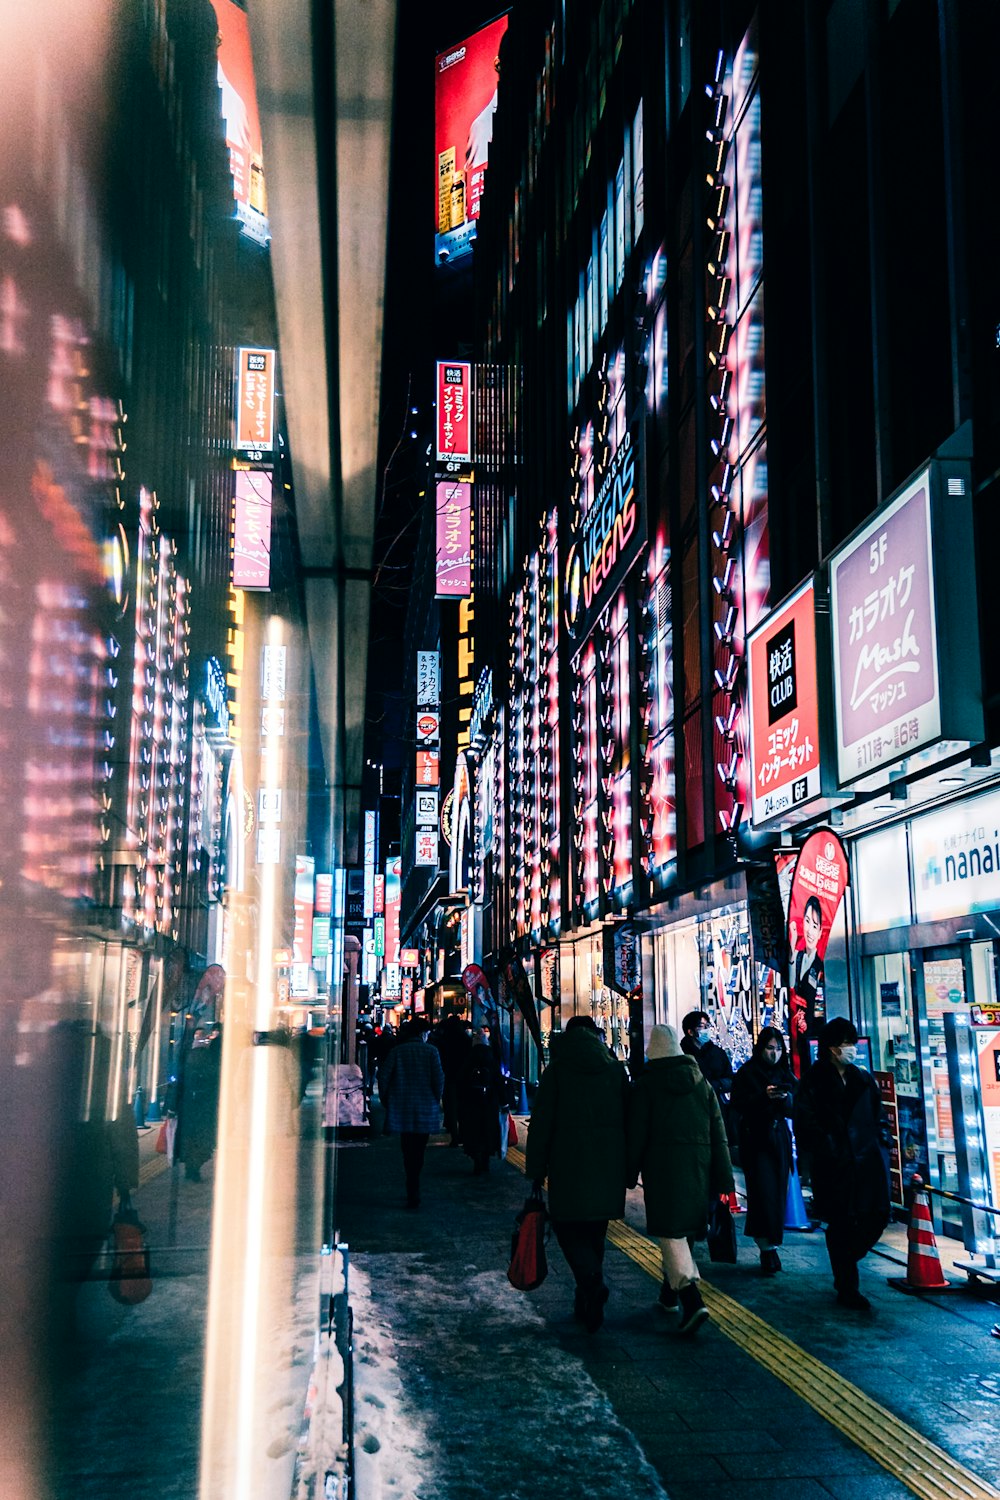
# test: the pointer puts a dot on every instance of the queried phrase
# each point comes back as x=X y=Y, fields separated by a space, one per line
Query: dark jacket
x=839 y=1130
x=765 y=1144
x=481 y=1096
x=677 y=1140
x=576 y=1137
x=453 y=1043
x=713 y=1060
x=411 y=1081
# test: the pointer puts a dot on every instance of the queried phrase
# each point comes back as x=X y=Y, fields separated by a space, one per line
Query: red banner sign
x=818 y=885
x=454 y=411
x=255 y=400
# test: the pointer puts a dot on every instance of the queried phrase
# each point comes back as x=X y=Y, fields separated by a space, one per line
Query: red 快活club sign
x=819 y=881
x=784 y=709
x=454 y=411
x=239 y=110
x=254 y=400
x=454 y=542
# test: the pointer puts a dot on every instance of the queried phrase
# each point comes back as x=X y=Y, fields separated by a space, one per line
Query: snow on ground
x=463 y=1393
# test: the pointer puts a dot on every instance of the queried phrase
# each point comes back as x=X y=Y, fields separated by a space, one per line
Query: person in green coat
x=677 y=1141
x=576 y=1138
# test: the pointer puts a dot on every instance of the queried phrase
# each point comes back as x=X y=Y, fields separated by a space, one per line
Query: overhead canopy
x=324 y=81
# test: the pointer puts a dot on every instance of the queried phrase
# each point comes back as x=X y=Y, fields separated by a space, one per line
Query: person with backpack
x=480 y=1100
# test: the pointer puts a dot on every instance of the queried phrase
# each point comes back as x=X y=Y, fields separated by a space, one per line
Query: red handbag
x=511 y=1131
x=130 y=1280
x=528 y=1265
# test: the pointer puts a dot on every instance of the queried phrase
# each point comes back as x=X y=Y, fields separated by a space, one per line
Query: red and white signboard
x=428 y=728
x=252 y=530
x=454 y=411
x=239 y=110
x=379 y=895
x=303 y=909
x=254 y=400
x=427 y=847
x=784 y=709
x=428 y=768
x=819 y=881
x=409 y=957
x=324 y=895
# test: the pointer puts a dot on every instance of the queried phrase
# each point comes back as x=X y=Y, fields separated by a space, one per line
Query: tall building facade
x=709 y=376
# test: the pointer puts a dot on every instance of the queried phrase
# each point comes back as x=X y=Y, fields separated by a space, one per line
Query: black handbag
x=721 y=1234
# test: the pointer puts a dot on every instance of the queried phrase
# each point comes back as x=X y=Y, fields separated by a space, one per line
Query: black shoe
x=193 y=1174
x=693 y=1310
x=853 y=1300
x=770 y=1262
x=668 y=1300
x=592 y=1298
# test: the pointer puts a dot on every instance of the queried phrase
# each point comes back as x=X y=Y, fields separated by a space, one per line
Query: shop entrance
x=956 y=990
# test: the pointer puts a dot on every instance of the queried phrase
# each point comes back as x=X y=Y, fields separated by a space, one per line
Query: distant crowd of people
x=594 y=1132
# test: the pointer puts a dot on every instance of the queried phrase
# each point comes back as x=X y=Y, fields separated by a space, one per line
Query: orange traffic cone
x=923 y=1264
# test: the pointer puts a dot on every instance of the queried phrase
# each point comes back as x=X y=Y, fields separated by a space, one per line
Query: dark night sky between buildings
x=421 y=325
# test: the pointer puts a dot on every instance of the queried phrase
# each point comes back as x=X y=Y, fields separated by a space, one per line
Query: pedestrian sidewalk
x=468 y=1390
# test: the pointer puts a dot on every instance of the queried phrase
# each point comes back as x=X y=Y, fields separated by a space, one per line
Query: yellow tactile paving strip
x=919 y=1464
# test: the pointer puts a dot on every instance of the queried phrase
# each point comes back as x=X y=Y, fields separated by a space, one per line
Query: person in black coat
x=454 y=1044
x=762 y=1100
x=840 y=1130
x=713 y=1060
x=480 y=1100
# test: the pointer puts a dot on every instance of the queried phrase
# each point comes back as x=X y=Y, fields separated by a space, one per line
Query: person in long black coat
x=762 y=1100
x=840 y=1130
x=480 y=1100
x=453 y=1042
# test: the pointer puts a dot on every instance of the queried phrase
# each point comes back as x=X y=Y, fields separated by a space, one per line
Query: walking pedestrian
x=198 y=1121
x=453 y=1044
x=576 y=1138
x=840 y=1131
x=677 y=1142
x=410 y=1086
x=480 y=1099
x=762 y=1101
x=713 y=1060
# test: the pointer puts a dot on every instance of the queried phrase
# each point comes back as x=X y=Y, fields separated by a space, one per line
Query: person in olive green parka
x=576 y=1138
x=677 y=1140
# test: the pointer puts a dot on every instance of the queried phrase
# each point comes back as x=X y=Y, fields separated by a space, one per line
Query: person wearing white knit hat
x=677 y=1141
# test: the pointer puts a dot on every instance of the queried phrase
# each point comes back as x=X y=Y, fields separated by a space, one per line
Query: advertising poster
x=956 y=859
x=767 y=917
x=252 y=530
x=427 y=809
x=239 y=110
x=428 y=729
x=887 y=1090
x=454 y=412
x=818 y=884
x=303 y=909
x=784 y=709
x=518 y=989
x=886 y=689
x=988 y=1047
x=466 y=77
x=478 y=988
x=254 y=400
x=453 y=572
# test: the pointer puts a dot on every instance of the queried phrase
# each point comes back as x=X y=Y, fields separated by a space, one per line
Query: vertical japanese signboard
x=252 y=530
x=393 y=891
x=428 y=679
x=368 y=908
x=453 y=576
x=254 y=400
x=465 y=100
x=454 y=411
x=303 y=909
x=885 y=663
x=784 y=709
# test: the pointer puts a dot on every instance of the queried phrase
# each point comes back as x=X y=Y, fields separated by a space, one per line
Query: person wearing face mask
x=713 y=1060
x=762 y=1101
x=839 y=1127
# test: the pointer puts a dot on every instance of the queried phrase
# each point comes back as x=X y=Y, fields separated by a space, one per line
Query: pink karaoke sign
x=454 y=541
x=252 y=530
x=886 y=687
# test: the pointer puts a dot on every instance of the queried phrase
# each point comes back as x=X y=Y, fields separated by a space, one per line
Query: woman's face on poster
x=812 y=928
